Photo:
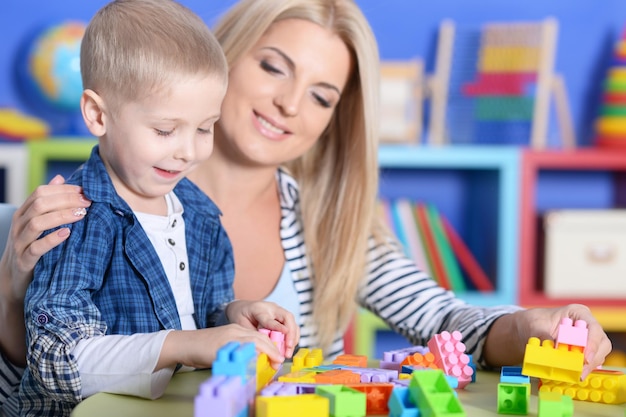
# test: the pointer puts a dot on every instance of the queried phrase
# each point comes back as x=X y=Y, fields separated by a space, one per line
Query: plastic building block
x=359 y=361
x=601 y=386
x=431 y=391
x=513 y=398
x=426 y=360
x=450 y=356
x=220 y=395
x=236 y=359
x=377 y=397
x=337 y=376
x=306 y=358
x=307 y=405
x=277 y=337
x=344 y=401
x=264 y=371
x=392 y=358
x=572 y=334
x=298 y=376
x=545 y=361
x=553 y=404
x=287 y=388
x=401 y=405
x=513 y=375
x=372 y=374
x=472 y=365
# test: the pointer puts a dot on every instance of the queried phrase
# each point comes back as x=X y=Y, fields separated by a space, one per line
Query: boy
x=102 y=307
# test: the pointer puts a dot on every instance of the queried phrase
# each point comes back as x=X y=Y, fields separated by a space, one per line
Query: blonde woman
x=294 y=172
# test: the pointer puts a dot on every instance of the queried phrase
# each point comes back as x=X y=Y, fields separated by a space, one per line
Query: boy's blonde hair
x=133 y=47
x=338 y=177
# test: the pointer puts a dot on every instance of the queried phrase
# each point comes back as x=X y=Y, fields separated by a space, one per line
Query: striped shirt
x=393 y=288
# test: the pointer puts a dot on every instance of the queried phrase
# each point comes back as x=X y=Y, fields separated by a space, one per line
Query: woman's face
x=282 y=94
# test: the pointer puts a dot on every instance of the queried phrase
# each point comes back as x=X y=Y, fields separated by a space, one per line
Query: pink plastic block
x=277 y=337
x=572 y=334
x=450 y=356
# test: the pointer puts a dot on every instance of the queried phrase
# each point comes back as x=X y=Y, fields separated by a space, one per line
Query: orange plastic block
x=601 y=386
x=377 y=397
x=359 y=361
x=303 y=405
x=306 y=358
x=337 y=376
x=298 y=376
x=264 y=371
x=426 y=360
x=543 y=360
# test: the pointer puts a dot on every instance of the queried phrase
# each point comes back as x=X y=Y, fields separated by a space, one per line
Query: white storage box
x=585 y=253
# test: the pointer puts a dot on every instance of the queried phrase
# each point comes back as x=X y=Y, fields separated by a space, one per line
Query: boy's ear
x=94 y=112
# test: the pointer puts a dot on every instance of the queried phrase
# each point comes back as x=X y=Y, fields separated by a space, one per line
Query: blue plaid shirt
x=107 y=279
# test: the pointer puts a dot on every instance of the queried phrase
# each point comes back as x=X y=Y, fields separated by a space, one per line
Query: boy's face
x=150 y=145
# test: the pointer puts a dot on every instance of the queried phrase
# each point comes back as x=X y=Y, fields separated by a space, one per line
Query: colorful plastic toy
x=601 y=386
x=277 y=337
x=572 y=334
x=431 y=392
x=401 y=405
x=308 y=405
x=306 y=358
x=513 y=398
x=377 y=396
x=553 y=404
x=344 y=401
x=351 y=360
x=236 y=359
x=450 y=356
x=543 y=360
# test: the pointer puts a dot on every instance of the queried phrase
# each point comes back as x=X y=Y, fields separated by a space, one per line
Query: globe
x=51 y=70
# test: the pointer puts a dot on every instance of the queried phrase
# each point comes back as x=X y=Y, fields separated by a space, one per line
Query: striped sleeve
x=10 y=376
x=413 y=305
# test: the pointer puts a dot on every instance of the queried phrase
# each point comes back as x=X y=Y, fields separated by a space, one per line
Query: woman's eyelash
x=163 y=132
x=268 y=67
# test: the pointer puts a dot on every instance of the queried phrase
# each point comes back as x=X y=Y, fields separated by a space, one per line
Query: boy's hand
x=198 y=348
x=264 y=314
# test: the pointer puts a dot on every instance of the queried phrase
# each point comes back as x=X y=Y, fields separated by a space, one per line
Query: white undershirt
x=124 y=364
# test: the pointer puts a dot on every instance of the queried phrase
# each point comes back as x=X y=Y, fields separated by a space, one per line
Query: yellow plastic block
x=264 y=371
x=303 y=405
x=509 y=59
x=307 y=358
x=611 y=125
x=545 y=361
x=601 y=386
x=298 y=376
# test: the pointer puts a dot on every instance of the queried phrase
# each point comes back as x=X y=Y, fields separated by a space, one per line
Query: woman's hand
x=507 y=339
x=47 y=207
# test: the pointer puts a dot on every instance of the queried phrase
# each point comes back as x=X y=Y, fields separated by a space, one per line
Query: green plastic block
x=344 y=401
x=513 y=398
x=553 y=404
x=430 y=390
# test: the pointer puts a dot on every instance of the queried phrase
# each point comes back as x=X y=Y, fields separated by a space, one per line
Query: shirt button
x=174 y=223
x=171 y=241
x=42 y=319
x=182 y=266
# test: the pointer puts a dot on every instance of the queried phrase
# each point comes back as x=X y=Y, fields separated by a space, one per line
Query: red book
x=438 y=268
x=475 y=272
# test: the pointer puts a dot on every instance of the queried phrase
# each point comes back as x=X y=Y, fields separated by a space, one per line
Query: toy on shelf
x=15 y=125
x=610 y=127
x=501 y=85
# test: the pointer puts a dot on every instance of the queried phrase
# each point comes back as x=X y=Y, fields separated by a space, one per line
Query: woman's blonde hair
x=132 y=47
x=338 y=177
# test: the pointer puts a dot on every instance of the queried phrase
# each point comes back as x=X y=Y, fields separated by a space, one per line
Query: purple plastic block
x=287 y=388
x=392 y=358
x=372 y=374
x=220 y=395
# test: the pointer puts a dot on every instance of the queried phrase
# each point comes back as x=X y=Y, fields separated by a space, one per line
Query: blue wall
x=404 y=28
